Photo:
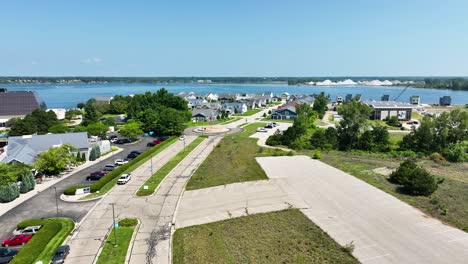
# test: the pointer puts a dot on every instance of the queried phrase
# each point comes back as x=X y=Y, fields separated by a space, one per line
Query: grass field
x=116 y=255
x=279 y=237
x=249 y=112
x=158 y=176
x=448 y=203
x=233 y=160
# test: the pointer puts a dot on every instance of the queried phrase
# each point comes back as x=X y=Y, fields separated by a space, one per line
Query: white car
x=120 y=162
x=262 y=129
x=30 y=230
x=124 y=178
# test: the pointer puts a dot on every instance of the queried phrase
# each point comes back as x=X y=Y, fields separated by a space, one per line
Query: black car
x=112 y=137
x=136 y=152
x=132 y=155
x=151 y=144
x=61 y=254
x=163 y=138
x=122 y=141
x=94 y=177
x=7 y=254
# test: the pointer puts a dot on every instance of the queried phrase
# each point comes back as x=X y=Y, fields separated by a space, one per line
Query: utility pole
x=56 y=201
x=115 y=231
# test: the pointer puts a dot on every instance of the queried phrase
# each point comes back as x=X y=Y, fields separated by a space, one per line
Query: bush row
x=45 y=242
x=71 y=190
x=121 y=169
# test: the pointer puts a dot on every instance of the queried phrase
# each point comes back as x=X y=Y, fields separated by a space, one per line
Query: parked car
x=122 y=141
x=16 y=240
x=164 y=138
x=61 y=254
x=151 y=144
x=30 y=230
x=120 y=162
x=94 y=177
x=127 y=159
x=262 y=129
x=132 y=156
x=124 y=179
x=275 y=124
x=269 y=125
x=7 y=254
x=109 y=167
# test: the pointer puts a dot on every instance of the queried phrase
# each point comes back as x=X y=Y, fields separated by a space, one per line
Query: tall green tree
x=355 y=115
x=54 y=160
x=320 y=105
x=91 y=115
x=132 y=129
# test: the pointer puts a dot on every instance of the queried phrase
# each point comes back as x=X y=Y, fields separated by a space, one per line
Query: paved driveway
x=43 y=204
x=383 y=228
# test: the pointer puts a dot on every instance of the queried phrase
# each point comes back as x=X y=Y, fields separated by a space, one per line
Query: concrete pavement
x=383 y=228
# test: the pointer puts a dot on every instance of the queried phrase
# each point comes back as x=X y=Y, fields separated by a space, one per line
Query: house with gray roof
x=204 y=115
x=17 y=104
x=284 y=113
x=192 y=103
x=103 y=99
x=25 y=149
x=235 y=107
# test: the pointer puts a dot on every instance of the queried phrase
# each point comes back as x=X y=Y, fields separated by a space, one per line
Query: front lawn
x=157 y=177
x=116 y=255
x=249 y=112
x=279 y=237
x=448 y=203
x=210 y=123
x=233 y=160
x=44 y=243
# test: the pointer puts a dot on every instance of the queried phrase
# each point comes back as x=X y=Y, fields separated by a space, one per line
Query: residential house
x=250 y=103
x=228 y=97
x=339 y=99
x=276 y=98
x=103 y=99
x=284 y=113
x=208 y=105
x=415 y=100
x=234 y=107
x=204 y=115
x=25 y=149
x=17 y=104
x=285 y=96
x=211 y=97
x=386 y=109
x=445 y=100
x=305 y=99
x=192 y=103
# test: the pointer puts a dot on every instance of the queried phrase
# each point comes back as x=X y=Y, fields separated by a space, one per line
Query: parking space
x=43 y=205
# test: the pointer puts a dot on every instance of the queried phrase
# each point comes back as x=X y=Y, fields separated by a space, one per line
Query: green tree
x=415 y=180
x=83 y=157
x=92 y=154
x=91 y=115
x=97 y=129
x=393 y=121
x=110 y=121
x=9 y=192
x=59 y=128
x=355 y=115
x=320 y=105
x=457 y=152
x=80 y=105
x=132 y=129
x=54 y=160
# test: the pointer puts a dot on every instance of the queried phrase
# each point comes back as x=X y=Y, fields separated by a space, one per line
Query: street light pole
x=113 y=219
x=56 y=201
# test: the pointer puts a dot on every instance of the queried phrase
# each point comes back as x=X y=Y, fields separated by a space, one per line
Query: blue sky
x=234 y=38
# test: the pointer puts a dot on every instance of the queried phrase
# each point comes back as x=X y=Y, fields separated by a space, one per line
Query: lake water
x=68 y=95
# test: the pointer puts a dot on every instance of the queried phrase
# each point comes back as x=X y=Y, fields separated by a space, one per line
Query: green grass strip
x=109 y=185
x=157 y=177
x=116 y=255
x=249 y=112
x=43 y=245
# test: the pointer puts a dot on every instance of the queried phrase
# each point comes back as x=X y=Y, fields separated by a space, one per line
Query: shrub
x=128 y=222
x=393 y=121
x=92 y=154
x=83 y=157
x=72 y=189
x=414 y=180
x=9 y=192
x=436 y=157
x=457 y=152
x=317 y=154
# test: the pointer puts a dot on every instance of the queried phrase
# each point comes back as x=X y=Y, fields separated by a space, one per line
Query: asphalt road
x=43 y=204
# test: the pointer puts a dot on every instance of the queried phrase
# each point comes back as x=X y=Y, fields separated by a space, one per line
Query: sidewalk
x=48 y=182
x=90 y=235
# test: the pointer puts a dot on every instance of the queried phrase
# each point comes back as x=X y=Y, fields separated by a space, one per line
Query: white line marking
x=381 y=256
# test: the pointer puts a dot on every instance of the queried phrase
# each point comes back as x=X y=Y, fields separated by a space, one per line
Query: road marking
x=371 y=258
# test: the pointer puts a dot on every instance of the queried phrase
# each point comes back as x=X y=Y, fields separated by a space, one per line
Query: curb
x=157 y=188
x=131 y=243
x=63 y=198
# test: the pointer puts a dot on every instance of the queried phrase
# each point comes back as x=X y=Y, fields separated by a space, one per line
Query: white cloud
x=94 y=60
